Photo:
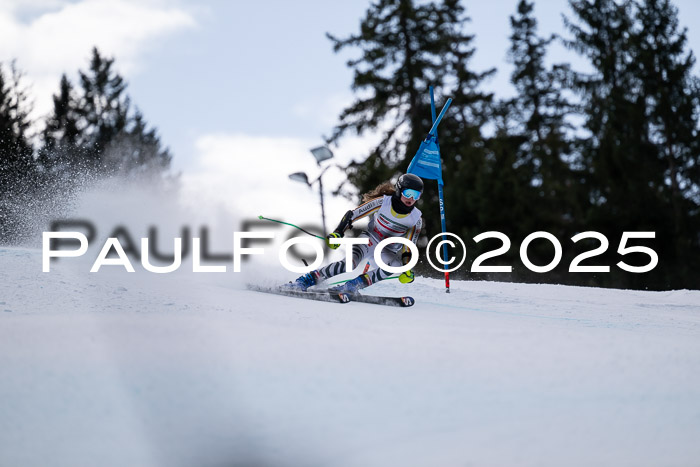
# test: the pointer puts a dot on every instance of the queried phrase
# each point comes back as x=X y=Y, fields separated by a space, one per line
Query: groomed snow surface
x=182 y=369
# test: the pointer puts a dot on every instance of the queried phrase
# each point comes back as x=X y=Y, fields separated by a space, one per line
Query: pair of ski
x=337 y=297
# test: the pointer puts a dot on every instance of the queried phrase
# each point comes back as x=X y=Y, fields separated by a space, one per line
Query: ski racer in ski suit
x=392 y=213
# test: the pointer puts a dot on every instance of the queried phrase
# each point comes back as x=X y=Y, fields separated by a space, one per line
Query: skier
x=392 y=213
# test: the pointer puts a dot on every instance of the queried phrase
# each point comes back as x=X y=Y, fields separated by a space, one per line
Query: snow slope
x=117 y=369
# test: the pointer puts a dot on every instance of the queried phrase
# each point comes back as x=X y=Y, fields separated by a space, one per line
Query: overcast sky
x=239 y=90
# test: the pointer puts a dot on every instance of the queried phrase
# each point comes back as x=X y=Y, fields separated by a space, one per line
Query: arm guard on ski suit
x=345 y=224
x=363 y=210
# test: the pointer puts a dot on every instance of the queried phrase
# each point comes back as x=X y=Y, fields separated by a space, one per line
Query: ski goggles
x=411 y=193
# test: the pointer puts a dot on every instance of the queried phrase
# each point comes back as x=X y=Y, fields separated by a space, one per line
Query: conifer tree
x=613 y=115
x=528 y=183
x=103 y=106
x=17 y=165
x=406 y=47
x=137 y=151
x=540 y=110
x=672 y=96
x=93 y=131
x=640 y=107
x=60 y=152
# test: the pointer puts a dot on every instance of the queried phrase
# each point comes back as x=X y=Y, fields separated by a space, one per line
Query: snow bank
x=184 y=369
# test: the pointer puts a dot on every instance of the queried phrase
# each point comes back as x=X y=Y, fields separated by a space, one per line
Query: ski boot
x=303 y=282
x=352 y=286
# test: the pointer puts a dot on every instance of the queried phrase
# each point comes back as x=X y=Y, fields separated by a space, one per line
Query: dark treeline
x=612 y=150
x=92 y=133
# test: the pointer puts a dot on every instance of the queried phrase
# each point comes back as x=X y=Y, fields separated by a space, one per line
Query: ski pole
x=292 y=225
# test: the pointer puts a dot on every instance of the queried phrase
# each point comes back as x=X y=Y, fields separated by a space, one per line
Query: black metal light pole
x=321 y=153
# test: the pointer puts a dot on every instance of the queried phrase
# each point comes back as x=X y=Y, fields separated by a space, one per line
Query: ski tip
x=260 y=217
x=343 y=297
